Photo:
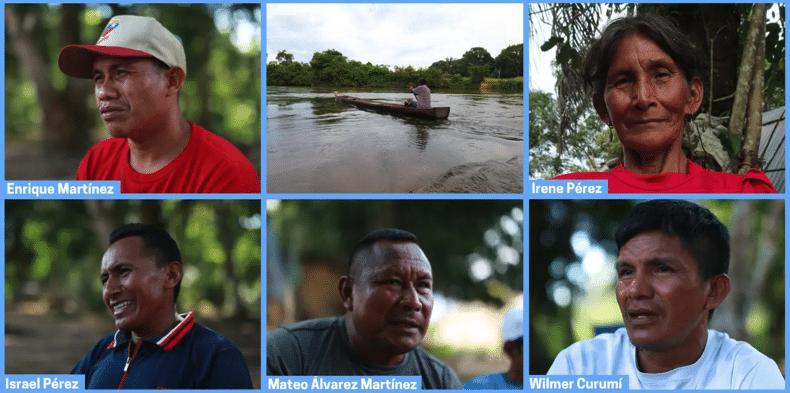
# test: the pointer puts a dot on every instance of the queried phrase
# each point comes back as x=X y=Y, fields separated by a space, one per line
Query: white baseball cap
x=513 y=324
x=125 y=36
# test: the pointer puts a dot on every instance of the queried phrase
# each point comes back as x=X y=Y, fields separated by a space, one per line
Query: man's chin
x=117 y=129
x=403 y=345
x=125 y=324
x=646 y=342
x=117 y=132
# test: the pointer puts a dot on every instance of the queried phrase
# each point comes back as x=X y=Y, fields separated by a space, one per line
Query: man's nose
x=639 y=286
x=411 y=299
x=106 y=89
x=111 y=287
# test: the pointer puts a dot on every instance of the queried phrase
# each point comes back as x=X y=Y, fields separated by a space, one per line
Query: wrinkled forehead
x=640 y=43
x=388 y=254
x=646 y=46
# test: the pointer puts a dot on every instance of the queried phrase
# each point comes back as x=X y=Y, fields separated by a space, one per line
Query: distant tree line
x=331 y=68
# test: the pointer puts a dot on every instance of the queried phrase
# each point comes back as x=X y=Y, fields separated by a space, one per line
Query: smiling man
x=672 y=274
x=155 y=347
x=388 y=297
x=138 y=68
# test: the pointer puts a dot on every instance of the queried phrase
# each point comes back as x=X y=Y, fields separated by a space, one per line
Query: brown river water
x=317 y=145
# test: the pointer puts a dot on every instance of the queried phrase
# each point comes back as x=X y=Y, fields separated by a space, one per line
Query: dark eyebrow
x=616 y=72
x=653 y=261
x=658 y=63
x=620 y=264
x=113 y=67
x=117 y=267
x=662 y=260
x=663 y=63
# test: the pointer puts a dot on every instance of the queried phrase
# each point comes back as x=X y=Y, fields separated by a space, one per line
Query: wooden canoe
x=436 y=113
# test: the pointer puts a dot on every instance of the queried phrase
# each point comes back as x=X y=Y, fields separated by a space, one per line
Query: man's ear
x=719 y=289
x=600 y=107
x=175 y=80
x=173 y=274
x=344 y=286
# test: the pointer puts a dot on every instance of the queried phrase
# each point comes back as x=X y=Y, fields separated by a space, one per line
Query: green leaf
x=553 y=41
x=564 y=55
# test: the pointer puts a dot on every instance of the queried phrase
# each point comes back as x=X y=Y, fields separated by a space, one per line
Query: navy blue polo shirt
x=189 y=356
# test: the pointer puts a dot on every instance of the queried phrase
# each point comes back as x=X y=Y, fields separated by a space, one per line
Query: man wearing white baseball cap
x=138 y=68
x=513 y=338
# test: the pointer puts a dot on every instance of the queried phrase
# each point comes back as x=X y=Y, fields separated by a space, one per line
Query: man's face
x=392 y=297
x=659 y=290
x=131 y=94
x=134 y=289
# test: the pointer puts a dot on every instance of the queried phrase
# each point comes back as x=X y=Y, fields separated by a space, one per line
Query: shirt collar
x=165 y=341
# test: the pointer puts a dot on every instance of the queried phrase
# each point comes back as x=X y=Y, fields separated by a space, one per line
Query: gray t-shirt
x=321 y=347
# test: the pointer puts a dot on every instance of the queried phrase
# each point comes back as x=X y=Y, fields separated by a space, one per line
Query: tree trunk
x=204 y=82
x=772 y=234
x=103 y=219
x=720 y=29
x=746 y=76
x=65 y=118
x=151 y=213
x=82 y=118
x=233 y=305
x=751 y=142
x=730 y=316
x=754 y=241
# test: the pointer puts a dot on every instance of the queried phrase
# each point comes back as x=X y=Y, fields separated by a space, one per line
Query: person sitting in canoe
x=422 y=93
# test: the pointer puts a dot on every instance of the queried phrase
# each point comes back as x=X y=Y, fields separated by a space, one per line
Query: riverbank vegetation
x=476 y=69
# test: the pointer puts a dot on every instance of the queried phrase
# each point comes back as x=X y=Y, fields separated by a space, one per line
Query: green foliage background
x=448 y=231
x=53 y=252
x=331 y=68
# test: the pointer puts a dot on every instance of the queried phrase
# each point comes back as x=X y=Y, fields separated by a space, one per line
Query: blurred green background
x=572 y=276
x=474 y=246
x=51 y=120
x=53 y=295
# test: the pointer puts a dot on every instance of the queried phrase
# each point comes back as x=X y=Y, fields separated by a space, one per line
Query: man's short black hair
x=386 y=234
x=157 y=241
x=423 y=81
x=702 y=234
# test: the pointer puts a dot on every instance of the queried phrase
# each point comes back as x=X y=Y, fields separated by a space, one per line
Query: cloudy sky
x=392 y=34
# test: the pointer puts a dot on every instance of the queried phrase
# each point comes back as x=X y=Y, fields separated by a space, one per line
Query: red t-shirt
x=697 y=180
x=208 y=164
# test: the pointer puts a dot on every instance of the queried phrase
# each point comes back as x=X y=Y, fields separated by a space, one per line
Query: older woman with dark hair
x=646 y=84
